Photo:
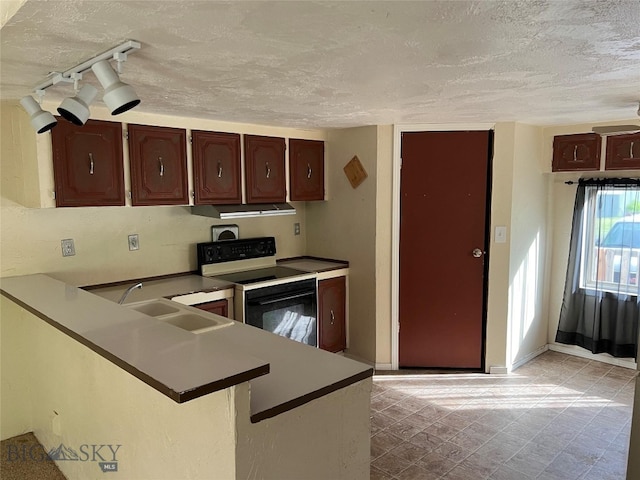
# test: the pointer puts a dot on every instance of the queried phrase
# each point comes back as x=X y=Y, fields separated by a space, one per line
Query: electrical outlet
x=296 y=228
x=133 y=242
x=68 y=248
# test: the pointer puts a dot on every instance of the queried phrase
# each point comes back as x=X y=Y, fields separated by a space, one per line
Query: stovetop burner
x=257 y=275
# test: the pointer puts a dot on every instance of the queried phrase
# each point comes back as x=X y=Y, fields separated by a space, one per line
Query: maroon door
x=443 y=219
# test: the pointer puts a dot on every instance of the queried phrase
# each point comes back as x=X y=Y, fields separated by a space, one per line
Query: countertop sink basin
x=196 y=323
x=182 y=316
x=154 y=308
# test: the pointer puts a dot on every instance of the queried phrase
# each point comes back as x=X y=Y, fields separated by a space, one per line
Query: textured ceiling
x=337 y=64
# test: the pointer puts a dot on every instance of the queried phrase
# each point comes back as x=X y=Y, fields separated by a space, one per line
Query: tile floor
x=558 y=417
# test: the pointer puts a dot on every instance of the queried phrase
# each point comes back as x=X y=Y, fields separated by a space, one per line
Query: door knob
x=477 y=252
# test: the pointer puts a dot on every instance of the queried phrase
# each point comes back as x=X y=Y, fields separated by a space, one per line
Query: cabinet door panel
x=576 y=152
x=332 y=295
x=306 y=165
x=87 y=164
x=158 y=165
x=264 y=163
x=219 y=307
x=216 y=168
x=623 y=152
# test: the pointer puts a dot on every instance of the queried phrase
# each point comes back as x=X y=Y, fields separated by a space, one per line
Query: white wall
x=327 y=438
x=31 y=236
x=500 y=254
x=384 y=231
x=345 y=228
x=527 y=331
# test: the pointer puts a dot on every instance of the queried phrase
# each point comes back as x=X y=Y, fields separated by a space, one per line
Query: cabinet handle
x=219 y=169
x=309 y=171
x=333 y=317
x=575 y=151
x=90 y=163
x=268 y=170
x=161 y=163
x=631 y=150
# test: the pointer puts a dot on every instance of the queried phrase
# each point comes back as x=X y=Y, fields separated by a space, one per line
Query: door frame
x=398 y=130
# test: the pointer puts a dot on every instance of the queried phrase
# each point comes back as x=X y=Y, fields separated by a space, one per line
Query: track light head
x=41 y=120
x=76 y=109
x=118 y=96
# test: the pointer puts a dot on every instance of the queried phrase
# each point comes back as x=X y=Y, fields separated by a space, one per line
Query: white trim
x=498 y=370
x=398 y=130
x=600 y=357
x=529 y=357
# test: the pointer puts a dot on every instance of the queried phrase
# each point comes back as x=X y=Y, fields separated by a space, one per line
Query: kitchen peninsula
x=232 y=402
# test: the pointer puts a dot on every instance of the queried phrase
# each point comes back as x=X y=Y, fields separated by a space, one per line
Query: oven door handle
x=277 y=299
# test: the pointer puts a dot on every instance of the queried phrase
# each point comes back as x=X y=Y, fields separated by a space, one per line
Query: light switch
x=501 y=234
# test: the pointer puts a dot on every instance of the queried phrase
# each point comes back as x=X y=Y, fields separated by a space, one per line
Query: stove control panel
x=230 y=250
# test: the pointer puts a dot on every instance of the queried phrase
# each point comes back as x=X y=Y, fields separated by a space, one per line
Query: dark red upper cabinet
x=158 y=157
x=216 y=168
x=306 y=169
x=623 y=152
x=576 y=152
x=264 y=169
x=87 y=164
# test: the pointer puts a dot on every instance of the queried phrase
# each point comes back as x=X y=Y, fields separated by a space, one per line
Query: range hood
x=243 y=211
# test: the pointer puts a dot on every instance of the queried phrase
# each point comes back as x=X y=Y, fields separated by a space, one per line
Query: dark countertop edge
x=296 y=402
x=122 y=283
x=178 y=397
x=344 y=263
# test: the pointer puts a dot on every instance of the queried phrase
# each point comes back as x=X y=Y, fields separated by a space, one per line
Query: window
x=601 y=306
x=611 y=240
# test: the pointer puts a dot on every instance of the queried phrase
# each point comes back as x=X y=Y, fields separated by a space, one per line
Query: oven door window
x=288 y=310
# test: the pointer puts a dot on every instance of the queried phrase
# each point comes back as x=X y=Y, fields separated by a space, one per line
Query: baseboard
x=600 y=357
x=498 y=370
x=383 y=366
x=529 y=357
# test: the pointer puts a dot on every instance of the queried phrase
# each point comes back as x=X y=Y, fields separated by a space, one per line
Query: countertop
x=313 y=264
x=169 y=286
x=182 y=365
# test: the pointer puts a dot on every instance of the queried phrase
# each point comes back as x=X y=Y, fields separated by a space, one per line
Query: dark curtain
x=600 y=319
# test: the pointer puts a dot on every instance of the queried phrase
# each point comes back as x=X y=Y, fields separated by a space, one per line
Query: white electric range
x=281 y=300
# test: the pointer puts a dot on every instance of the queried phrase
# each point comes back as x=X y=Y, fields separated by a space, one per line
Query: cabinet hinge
x=53 y=194
x=125 y=134
x=129 y=194
x=190 y=139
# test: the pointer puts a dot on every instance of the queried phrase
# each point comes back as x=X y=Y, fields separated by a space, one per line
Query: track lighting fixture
x=41 y=120
x=76 y=109
x=118 y=96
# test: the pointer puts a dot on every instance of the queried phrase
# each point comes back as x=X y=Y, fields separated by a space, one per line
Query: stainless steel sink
x=181 y=316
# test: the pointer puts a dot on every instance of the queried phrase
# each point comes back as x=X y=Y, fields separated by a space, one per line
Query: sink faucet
x=128 y=291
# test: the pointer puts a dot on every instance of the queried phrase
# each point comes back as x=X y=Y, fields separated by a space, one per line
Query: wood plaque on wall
x=355 y=172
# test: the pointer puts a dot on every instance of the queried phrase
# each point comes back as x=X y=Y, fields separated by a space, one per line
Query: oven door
x=288 y=309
